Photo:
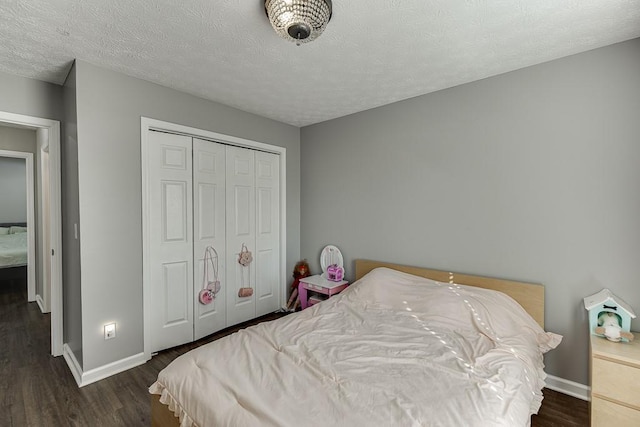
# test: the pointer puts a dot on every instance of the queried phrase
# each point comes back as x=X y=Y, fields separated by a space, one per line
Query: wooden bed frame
x=530 y=296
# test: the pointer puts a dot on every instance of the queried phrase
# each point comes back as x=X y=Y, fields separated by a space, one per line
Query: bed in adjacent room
x=395 y=348
x=13 y=245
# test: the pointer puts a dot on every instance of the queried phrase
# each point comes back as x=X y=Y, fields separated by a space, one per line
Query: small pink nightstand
x=320 y=285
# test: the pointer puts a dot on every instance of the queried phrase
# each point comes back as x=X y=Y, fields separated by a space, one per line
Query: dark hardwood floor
x=39 y=390
x=560 y=410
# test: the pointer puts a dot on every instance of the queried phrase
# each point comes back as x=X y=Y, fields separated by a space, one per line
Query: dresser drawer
x=616 y=381
x=605 y=414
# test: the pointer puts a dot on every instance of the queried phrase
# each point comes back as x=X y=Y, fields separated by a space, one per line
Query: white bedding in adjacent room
x=392 y=349
x=13 y=250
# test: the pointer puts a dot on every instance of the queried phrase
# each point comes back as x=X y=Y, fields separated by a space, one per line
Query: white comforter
x=391 y=350
x=13 y=250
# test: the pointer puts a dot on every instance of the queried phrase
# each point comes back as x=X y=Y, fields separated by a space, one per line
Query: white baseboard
x=570 y=388
x=102 y=372
x=73 y=364
x=40 y=302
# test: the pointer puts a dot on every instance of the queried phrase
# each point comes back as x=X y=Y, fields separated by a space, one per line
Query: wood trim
x=529 y=295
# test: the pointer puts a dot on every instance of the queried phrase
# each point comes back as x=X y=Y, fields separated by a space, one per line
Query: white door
x=267 y=254
x=171 y=240
x=241 y=230
x=208 y=230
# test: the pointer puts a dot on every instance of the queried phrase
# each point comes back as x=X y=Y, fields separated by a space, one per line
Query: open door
x=48 y=132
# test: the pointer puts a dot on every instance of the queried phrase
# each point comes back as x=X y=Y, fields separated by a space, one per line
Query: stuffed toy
x=300 y=271
x=611 y=328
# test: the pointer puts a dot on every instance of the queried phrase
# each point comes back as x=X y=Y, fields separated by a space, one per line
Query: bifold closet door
x=203 y=193
x=241 y=229
x=267 y=258
x=170 y=240
x=209 y=230
x=253 y=219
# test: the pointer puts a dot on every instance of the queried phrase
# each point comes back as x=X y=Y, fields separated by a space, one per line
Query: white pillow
x=17 y=229
x=4 y=230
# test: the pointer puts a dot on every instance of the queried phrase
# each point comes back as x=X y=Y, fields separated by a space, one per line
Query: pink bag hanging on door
x=244 y=259
x=210 y=287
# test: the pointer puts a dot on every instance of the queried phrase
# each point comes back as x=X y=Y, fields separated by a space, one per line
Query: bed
x=13 y=245
x=400 y=346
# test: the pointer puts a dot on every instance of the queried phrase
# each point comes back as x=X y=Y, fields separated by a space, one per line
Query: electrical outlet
x=109 y=331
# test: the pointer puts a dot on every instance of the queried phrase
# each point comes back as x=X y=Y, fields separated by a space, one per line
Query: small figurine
x=611 y=328
x=300 y=271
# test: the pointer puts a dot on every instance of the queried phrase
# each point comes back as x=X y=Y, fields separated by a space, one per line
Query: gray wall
x=72 y=292
x=531 y=175
x=13 y=207
x=13 y=190
x=18 y=139
x=30 y=97
x=109 y=107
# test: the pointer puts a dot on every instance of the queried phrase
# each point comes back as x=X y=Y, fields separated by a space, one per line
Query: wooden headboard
x=529 y=295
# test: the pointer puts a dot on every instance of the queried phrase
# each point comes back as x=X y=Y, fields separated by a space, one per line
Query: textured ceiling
x=372 y=53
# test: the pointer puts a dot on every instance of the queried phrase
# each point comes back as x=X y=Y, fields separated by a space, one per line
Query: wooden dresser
x=615 y=382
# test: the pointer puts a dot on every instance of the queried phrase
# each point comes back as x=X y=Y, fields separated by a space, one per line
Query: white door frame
x=52 y=128
x=147 y=124
x=42 y=217
x=31 y=220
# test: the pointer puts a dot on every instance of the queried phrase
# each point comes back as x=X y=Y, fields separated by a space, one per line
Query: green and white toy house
x=606 y=302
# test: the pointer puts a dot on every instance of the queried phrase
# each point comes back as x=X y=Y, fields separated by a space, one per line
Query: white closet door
x=267 y=258
x=240 y=230
x=171 y=246
x=208 y=230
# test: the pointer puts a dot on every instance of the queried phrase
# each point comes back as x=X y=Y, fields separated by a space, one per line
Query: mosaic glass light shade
x=299 y=21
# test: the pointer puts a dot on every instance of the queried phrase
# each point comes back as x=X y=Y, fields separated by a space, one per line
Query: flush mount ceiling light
x=299 y=21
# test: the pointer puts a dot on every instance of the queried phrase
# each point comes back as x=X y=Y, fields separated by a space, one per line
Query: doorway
x=48 y=137
x=18 y=169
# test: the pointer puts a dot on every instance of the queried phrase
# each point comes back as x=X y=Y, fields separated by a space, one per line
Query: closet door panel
x=209 y=165
x=174 y=285
x=268 y=280
x=174 y=210
x=205 y=198
x=265 y=278
x=171 y=246
x=243 y=215
x=241 y=209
